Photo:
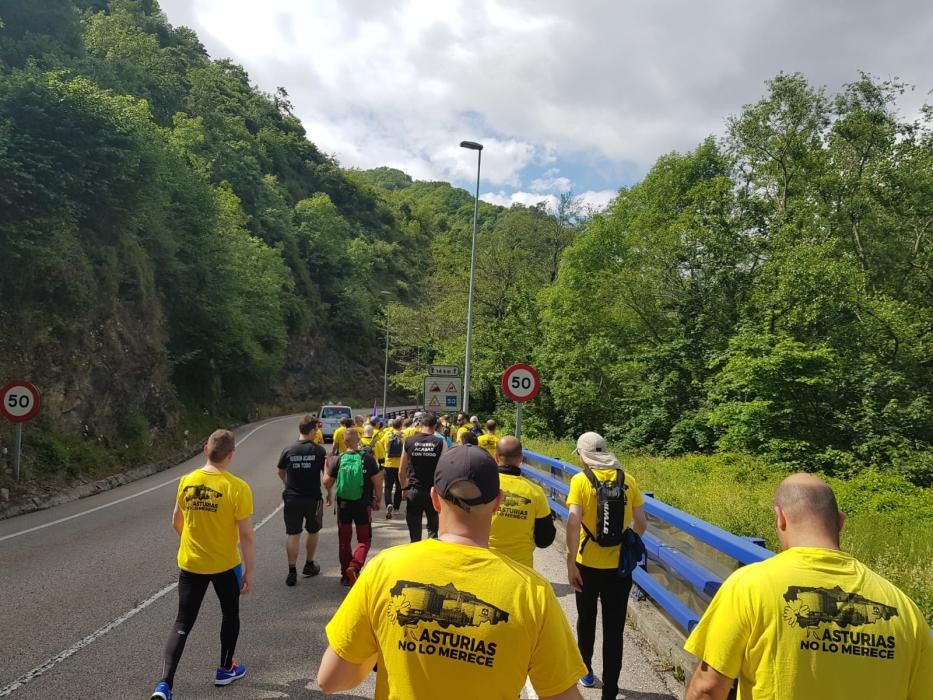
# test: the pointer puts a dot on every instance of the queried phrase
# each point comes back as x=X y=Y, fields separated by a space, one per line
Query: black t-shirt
x=424 y=451
x=370 y=469
x=303 y=463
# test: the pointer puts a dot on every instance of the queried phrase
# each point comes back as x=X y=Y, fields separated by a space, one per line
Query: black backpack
x=610 y=510
x=394 y=445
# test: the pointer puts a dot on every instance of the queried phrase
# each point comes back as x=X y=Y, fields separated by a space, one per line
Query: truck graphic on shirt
x=513 y=500
x=811 y=606
x=415 y=602
x=200 y=492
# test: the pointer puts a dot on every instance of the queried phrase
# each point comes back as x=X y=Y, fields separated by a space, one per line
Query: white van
x=331 y=415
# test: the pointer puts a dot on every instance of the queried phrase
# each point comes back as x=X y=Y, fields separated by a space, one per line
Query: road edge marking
x=118 y=501
x=49 y=664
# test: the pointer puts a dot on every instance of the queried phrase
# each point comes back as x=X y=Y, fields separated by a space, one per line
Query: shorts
x=303 y=509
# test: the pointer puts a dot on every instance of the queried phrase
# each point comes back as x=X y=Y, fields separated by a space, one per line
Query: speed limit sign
x=20 y=401
x=521 y=383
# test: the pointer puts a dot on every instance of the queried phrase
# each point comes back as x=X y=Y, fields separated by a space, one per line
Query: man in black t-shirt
x=357 y=511
x=301 y=467
x=416 y=474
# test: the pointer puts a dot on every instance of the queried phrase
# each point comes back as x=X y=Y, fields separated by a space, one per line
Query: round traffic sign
x=20 y=401
x=521 y=383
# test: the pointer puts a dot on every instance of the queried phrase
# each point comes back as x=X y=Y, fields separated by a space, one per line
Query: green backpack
x=350 y=477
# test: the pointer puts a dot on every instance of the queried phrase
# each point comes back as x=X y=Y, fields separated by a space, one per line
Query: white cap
x=592 y=450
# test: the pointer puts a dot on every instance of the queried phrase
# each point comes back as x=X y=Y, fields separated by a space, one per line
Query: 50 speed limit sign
x=521 y=383
x=19 y=401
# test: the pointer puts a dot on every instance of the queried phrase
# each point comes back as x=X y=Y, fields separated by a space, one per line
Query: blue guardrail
x=666 y=556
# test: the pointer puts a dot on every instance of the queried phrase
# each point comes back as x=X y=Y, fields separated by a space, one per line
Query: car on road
x=331 y=415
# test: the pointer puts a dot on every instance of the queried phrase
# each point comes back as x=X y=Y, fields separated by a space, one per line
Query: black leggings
x=607 y=587
x=191 y=590
x=391 y=485
x=419 y=503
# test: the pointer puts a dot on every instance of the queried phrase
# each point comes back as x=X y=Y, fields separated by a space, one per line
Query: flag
x=375 y=407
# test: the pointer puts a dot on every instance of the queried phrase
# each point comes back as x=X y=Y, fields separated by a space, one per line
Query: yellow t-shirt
x=816 y=623
x=583 y=494
x=392 y=462
x=455 y=621
x=339 y=443
x=409 y=431
x=318 y=438
x=488 y=442
x=461 y=431
x=513 y=525
x=212 y=503
x=378 y=448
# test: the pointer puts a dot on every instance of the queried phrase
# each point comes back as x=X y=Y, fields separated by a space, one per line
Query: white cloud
x=528 y=199
x=590 y=201
x=597 y=201
x=551 y=182
x=402 y=83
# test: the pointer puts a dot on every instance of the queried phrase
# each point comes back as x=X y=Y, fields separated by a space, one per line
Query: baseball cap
x=592 y=450
x=467 y=463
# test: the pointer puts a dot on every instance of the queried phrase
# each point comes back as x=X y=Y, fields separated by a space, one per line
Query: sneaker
x=588 y=681
x=227 y=676
x=344 y=581
x=161 y=692
x=292 y=578
x=350 y=574
x=311 y=569
x=389 y=512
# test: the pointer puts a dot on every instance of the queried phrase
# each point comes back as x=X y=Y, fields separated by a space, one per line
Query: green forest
x=176 y=251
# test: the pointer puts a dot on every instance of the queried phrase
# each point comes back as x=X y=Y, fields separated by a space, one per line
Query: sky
x=566 y=96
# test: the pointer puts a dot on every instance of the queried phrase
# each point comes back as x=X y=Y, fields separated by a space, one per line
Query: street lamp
x=385 y=376
x=478 y=147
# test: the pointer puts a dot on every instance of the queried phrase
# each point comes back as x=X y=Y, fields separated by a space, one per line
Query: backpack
x=394 y=445
x=610 y=510
x=350 y=477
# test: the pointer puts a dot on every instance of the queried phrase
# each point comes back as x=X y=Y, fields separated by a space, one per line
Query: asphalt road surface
x=87 y=596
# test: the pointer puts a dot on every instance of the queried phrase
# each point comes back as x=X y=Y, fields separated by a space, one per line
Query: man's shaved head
x=809 y=507
x=509 y=451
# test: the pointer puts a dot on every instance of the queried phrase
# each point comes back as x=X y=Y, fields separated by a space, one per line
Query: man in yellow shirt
x=211 y=516
x=593 y=560
x=523 y=520
x=448 y=617
x=463 y=427
x=340 y=444
x=412 y=426
x=377 y=424
x=812 y=622
x=489 y=439
x=369 y=443
x=393 y=444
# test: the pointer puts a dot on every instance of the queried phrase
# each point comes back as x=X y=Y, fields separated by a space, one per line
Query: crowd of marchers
x=462 y=613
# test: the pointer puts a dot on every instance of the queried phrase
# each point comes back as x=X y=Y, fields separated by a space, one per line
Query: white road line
x=109 y=627
x=126 y=498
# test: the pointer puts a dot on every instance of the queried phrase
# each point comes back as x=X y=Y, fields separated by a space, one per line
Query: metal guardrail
x=678 y=575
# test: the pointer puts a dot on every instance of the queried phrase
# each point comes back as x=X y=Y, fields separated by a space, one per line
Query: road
x=87 y=595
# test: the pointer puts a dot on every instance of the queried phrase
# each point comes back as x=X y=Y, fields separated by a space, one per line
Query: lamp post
x=478 y=147
x=385 y=376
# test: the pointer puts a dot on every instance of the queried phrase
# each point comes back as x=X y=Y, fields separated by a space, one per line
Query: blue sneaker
x=227 y=676
x=588 y=681
x=161 y=692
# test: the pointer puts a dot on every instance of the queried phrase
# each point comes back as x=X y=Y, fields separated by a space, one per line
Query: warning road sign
x=442 y=396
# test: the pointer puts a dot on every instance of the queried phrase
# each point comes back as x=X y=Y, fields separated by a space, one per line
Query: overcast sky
x=565 y=95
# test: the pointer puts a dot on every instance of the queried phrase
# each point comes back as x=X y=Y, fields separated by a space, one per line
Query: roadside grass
x=889 y=525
